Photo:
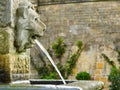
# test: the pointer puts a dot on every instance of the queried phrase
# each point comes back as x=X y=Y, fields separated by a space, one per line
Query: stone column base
x=14 y=67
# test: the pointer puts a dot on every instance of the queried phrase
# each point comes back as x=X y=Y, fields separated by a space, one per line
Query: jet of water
x=51 y=60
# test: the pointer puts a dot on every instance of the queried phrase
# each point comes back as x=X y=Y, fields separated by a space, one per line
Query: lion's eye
x=36 y=19
x=28 y=6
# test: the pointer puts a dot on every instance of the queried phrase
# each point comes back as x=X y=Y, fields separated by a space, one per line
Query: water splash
x=51 y=60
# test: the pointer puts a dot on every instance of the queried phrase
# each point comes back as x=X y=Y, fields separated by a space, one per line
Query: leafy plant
x=59 y=48
x=48 y=72
x=62 y=69
x=71 y=64
x=83 y=76
x=73 y=59
x=108 y=59
x=114 y=76
x=79 y=44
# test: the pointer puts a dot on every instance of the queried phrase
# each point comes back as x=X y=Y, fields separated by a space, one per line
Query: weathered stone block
x=104 y=79
x=20 y=67
x=5 y=12
x=100 y=65
x=5 y=71
x=98 y=72
x=14 y=67
x=6 y=41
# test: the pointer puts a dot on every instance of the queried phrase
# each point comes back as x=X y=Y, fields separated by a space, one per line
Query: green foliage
x=50 y=76
x=114 y=76
x=113 y=73
x=62 y=69
x=79 y=44
x=71 y=63
x=108 y=60
x=59 y=48
x=47 y=72
x=83 y=76
x=72 y=60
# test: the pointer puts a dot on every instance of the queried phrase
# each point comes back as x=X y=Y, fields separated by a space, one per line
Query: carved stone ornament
x=28 y=26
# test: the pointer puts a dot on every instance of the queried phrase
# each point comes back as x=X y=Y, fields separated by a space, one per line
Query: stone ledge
x=88 y=85
x=77 y=85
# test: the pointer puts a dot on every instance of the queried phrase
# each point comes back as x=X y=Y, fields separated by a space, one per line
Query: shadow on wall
x=47 y=2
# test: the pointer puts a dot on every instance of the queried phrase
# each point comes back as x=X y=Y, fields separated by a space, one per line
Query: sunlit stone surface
x=19 y=25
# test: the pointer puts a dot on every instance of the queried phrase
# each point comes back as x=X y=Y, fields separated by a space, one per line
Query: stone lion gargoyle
x=28 y=26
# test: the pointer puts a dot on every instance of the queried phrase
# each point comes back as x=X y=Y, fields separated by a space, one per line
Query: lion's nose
x=42 y=25
x=44 y=29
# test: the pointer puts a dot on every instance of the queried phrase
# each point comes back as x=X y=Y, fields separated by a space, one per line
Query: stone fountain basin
x=51 y=82
x=37 y=87
x=38 y=84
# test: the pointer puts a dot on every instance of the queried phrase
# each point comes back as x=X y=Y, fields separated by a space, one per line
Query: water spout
x=51 y=60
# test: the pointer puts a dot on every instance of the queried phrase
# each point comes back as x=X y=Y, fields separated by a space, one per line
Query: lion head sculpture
x=28 y=26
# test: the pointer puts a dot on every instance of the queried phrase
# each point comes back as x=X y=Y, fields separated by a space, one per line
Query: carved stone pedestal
x=13 y=66
x=19 y=26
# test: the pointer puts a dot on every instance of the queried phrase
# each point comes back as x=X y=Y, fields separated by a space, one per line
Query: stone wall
x=13 y=65
x=97 y=24
x=47 y=2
